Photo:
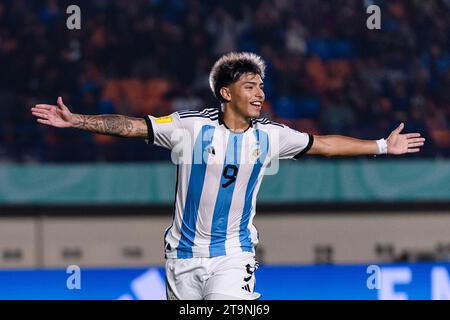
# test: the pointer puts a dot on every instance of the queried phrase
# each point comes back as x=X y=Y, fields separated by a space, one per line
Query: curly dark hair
x=230 y=67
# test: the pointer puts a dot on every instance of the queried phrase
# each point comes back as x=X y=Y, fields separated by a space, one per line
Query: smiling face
x=245 y=96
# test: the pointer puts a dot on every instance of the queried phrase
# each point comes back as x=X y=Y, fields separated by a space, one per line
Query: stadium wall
x=312 y=211
x=306 y=238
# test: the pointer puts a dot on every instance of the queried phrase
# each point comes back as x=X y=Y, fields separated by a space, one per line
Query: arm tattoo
x=115 y=125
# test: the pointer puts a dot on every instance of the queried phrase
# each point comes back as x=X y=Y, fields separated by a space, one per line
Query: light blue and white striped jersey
x=219 y=173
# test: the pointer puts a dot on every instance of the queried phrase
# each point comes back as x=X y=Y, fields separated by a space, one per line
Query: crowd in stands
x=327 y=72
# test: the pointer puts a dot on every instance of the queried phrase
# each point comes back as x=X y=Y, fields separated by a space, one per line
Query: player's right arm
x=116 y=125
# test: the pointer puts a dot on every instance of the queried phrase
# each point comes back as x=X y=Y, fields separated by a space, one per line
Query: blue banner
x=321 y=282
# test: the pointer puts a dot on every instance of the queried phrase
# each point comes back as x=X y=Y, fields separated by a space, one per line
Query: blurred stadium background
x=103 y=203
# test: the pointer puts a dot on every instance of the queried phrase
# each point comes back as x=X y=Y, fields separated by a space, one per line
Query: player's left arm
x=337 y=145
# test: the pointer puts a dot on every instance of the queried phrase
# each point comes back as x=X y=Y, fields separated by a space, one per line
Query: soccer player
x=221 y=155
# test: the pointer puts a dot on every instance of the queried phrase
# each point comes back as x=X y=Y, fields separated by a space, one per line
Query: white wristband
x=382 y=146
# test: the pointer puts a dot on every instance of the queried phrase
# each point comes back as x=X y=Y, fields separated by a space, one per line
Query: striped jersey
x=219 y=173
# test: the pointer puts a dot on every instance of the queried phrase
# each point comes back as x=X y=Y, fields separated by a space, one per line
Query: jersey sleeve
x=293 y=144
x=160 y=130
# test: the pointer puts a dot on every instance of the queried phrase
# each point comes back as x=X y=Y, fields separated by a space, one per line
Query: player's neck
x=235 y=121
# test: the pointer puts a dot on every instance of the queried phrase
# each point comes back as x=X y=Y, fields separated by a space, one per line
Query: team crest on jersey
x=165 y=119
x=255 y=153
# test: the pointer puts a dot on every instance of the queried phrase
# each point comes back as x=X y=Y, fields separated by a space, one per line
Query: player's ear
x=225 y=93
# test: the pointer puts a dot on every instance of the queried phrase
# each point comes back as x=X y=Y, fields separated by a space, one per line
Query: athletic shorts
x=223 y=277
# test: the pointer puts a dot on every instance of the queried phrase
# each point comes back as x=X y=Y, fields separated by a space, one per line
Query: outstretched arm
x=117 y=125
x=396 y=143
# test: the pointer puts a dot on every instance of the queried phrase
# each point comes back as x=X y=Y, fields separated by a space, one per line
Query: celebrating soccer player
x=210 y=246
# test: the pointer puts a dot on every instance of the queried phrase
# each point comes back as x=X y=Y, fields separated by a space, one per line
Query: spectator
x=153 y=56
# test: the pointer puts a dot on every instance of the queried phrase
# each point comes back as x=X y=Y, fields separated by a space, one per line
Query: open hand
x=398 y=143
x=57 y=116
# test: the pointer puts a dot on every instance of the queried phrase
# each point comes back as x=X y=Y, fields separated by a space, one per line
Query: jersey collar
x=220 y=118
